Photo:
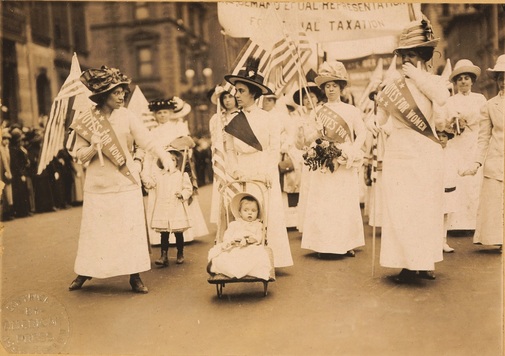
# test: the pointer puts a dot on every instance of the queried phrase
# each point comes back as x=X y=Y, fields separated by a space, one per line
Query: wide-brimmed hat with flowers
x=178 y=108
x=331 y=71
x=235 y=204
x=498 y=67
x=464 y=66
x=250 y=74
x=99 y=81
x=417 y=34
x=311 y=88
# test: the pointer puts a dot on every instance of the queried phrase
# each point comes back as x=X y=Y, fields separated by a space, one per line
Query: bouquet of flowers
x=322 y=154
x=457 y=124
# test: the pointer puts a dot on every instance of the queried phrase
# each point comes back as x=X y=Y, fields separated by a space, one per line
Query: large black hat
x=311 y=88
x=178 y=107
x=99 y=81
x=249 y=74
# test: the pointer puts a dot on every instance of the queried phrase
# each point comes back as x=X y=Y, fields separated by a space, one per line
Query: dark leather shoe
x=78 y=282
x=180 y=258
x=405 y=276
x=427 y=275
x=351 y=253
x=137 y=285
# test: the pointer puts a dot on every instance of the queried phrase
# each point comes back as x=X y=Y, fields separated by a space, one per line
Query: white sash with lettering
x=334 y=126
x=85 y=125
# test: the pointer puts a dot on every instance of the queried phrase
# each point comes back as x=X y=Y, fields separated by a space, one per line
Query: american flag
x=287 y=58
x=71 y=97
x=253 y=50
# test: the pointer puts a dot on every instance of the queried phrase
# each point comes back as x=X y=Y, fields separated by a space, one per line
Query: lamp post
x=196 y=96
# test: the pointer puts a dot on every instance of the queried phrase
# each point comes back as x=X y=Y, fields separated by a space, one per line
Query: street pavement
x=316 y=307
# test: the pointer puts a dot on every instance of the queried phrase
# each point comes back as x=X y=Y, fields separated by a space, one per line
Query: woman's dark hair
x=253 y=89
x=100 y=99
x=425 y=53
x=221 y=98
x=342 y=84
x=472 y=76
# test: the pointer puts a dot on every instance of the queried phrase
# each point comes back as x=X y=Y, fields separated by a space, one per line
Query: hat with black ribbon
x=250 y=74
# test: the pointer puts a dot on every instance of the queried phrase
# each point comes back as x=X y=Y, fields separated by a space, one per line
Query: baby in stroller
x=242 y=251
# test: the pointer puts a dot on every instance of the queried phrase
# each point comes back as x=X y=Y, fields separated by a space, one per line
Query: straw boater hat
x=330 y=71
x=178 y=108
x=235 y=204
x=311 y=88
x=250 y=74
x=498 y=67
x=417 y=34
x=464 y=66
x=99 y=81
x=216 y=94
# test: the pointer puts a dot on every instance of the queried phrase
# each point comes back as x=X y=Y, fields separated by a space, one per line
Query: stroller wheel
x=219 y=290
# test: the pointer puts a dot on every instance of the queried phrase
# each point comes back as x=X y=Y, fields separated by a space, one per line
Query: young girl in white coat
x=170 y=213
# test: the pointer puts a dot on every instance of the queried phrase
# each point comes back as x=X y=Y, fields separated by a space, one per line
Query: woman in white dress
x=256 y=154
x=413 y=168
x=170 y=115
x=465 y=106
x=309 y=97
x=113 y=239
x=333 y=222
x=489 y=229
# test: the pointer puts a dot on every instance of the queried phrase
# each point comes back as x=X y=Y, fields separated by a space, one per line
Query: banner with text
x=322 y=21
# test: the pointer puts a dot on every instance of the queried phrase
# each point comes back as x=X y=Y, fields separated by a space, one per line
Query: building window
x=43 y=93
x=39 y=16
x=78 y=27
x=141 y=11
x=145 y=66
x=60 y=25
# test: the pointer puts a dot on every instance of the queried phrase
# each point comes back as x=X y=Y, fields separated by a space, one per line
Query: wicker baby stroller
x=229 y=194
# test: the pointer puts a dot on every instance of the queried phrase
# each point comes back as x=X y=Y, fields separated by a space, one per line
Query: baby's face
x=443 y=137
x=248 y=210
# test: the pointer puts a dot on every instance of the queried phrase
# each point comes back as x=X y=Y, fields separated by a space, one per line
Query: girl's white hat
x=235 y=204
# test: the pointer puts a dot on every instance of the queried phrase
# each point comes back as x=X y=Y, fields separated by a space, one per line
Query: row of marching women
x=428 y=147
x=25 y=192
x=411 y=125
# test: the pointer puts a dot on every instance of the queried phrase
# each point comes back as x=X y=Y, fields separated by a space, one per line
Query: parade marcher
x=308 y=97
x=44 y=201
x=489 y=229
x=6 y=176
x=451 y=189
x=465 y=107
x=227 y=108
x=113 y=239
x=19 y=170
x=170 y=114
x=290 y=159
x=255 y=155
x=412 y=172
x=170 y=212
x=333 y=222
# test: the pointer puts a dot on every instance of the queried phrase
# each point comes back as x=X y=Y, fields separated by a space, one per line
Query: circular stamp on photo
x=34 y=322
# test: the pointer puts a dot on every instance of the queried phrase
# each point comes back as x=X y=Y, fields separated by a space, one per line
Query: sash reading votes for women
x=85 y=125
x=335 y=127
x=397 y=99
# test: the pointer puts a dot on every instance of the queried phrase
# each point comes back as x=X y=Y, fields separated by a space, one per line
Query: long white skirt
x=413 y=188
x=333 y=222
x=113 y=239
x=489 y=230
